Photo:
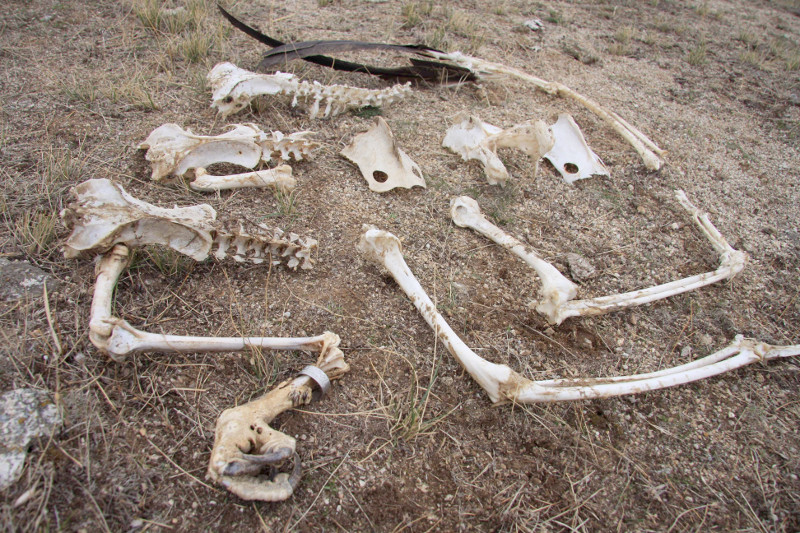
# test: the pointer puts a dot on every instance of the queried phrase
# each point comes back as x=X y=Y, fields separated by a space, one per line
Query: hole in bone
x=571 y=168
x=380 y=176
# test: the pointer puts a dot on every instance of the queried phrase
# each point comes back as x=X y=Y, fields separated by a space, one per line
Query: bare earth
x=407 y=441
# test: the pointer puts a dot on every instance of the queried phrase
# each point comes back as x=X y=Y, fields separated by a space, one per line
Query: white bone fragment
x=381 y=161
x=647 y=149
x=502 y=384
x=234 y=88
x=556 y=289
x=103 y=215
x=174 y=151
x=557 y=304
x=279 y=178
x=570 y=154
x=472 y=138
x=244 y=443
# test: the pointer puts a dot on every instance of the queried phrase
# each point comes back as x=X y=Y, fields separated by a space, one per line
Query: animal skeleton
x=103 y=215
x=570 y=154
x=381 y=161
x=474 y=139
x=647 y=149
x=175 y=151
x=234 y=88
x=502 y=384
x=557 y=291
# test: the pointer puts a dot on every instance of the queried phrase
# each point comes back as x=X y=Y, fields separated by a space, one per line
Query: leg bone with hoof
x=505 y=385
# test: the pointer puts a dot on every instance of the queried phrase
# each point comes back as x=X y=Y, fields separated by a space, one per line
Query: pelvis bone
x=570 y=154
x=502 y=384
x=381 y=161
x=174 y=151
x=472 y=138
x=558 y=292
x=234 y=88
x=103 y=215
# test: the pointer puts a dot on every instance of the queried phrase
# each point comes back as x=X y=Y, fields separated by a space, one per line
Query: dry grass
x=407 y=441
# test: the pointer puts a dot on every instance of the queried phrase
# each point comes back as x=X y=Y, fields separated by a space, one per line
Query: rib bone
x=647 y=149
x=504 y=385
x=557 y=291
x=103 y=215
x=234 y=88
x=472 y=138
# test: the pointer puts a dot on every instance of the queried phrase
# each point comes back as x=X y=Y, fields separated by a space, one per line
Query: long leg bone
x=103 y=215
x=647 y=149
x=504 y=385
x=472 y=138
x=233 y=89
x=556 y=304
x=244 y=443
x=175 y=151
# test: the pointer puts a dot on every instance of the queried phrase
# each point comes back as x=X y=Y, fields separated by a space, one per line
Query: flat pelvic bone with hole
x=244 y=443
x=472 y=138
x=505 y=385
x=103 y=215
x=234 y=88
x=650 y=153
x=174 y=151
x=557 y=302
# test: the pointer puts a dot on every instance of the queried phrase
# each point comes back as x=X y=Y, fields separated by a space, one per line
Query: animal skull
x=103 y=215
x=175 y=151
x=234 y=88
x=557 y=291
x=472 y=138
x=502 y=384
x=381 y=161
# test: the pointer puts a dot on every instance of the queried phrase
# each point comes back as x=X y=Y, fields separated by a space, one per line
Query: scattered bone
x=647 y=149
x=557 y=291
x=103 y=215
x=472 y=138
x=174 y=151
x=234 y=88
x=504 y=385
x=25 y=414
x=570 y=154
x=533 y=24
x=244 y=443
x=580 y=268
x=381 y=161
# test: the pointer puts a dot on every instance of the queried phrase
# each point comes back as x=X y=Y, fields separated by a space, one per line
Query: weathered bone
x=504 y=385
x=647 y=149
x=244 y=443
x=570 y=154
x=557 y=291
x=472 y=138
x=103 y=215
x=234 y=88
x=381 y=161
x=175 y=151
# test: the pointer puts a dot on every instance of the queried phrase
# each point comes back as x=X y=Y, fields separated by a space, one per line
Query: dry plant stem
x=556 y=288
x=503 y=384
x=244 y=443
x=647 y=149
x=117 y=338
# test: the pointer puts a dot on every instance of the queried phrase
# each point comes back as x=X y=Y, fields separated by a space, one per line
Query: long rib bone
x=557 y=291
x=647 y=149
x=244 y=443
x=472 y=138
x=103 y=215
x=504 y=385
x=234 y=88
x=175 y=151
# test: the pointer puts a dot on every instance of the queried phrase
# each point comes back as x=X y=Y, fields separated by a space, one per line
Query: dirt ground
x=407 y=441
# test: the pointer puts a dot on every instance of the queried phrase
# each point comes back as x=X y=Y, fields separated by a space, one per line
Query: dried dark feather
x=420 y=70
